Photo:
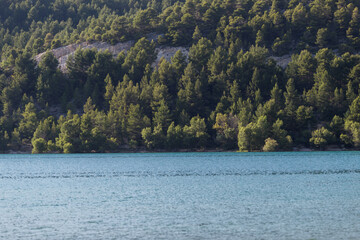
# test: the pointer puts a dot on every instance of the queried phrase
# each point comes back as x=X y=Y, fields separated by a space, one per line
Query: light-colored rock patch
x=63 y=53
x=167 y=53
x=282 y=61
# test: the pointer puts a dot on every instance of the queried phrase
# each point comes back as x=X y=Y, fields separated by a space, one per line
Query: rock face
x=282 y=61
x=63 y=53
x=168 y=53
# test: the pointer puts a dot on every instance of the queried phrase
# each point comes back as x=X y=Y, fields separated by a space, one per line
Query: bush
x=321 y=137
x=39 y=145
x=68 y=148
x=51 y=146
x=271 y=145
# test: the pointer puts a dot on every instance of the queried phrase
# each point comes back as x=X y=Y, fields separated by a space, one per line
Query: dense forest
x=228 y=93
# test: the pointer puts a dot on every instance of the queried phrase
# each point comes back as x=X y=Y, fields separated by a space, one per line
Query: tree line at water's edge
x=228 y=93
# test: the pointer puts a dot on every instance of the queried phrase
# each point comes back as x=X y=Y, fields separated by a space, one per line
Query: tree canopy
x=227 y=93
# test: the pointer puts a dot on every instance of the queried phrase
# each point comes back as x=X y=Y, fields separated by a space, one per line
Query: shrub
x=321 y=137
x=270 y=145
x=39 y=145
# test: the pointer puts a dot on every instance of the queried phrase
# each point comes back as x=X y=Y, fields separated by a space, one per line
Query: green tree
x=271 y=145
x=197 y=34
x=135 y=124
x=291 y=99
x=46 y=130
x=337 y=126
x=162 y=117
x=174 y=136
x=147 y=136
x=252 y=136
x=69 y=137
x=354 y=111
x=299 y=18
x=39 y=145
x=50 y=83
x=226 y=127
x=320 y=13
x=137 y=58
x=350 y=94
x=323 y=37
x=109 y=90
x=322 y=137
x=195 y=135
x=352 y=134
x=200 y=53
x=145 y=19
x=302 y=68
x=353 y=32
x=29 y=121
x=324 y=91
x=190 y=94
x=280 y=135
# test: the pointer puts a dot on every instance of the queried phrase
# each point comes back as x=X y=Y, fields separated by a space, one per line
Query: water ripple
x=171 y=174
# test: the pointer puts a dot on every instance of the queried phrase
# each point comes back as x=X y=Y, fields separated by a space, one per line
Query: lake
x=293 y=195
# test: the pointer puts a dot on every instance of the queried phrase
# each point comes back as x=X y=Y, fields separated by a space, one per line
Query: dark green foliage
x=28 y=122
x=228 y=92
x=195 y=135
x=252 y=137
x=141 y=54
x=51 y=83
x=39 y=145
x=174 y=137
x=69 y=137
x=226 y=127
x=271 y=145
x=321 y=137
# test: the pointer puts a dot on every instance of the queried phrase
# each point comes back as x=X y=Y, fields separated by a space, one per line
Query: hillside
x=167 y=52
x=248 y=75
x=63 y=53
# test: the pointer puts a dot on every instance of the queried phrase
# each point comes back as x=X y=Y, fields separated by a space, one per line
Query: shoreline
x=295 y=149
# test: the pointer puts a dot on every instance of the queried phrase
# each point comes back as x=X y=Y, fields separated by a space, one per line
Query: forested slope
x=228 y=93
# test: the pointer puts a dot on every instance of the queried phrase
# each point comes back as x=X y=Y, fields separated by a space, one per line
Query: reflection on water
x=181 y=196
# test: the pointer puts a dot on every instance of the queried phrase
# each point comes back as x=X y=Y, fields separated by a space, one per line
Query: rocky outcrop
x=282 y=61
x=63 y=53
x=168 y=52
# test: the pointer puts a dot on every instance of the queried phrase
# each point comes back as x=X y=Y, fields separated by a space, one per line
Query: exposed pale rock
x=282 y=61
x=63 y=53
x=168 y=52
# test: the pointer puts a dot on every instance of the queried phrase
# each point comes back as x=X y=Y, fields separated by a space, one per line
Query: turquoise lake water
x=312 y=195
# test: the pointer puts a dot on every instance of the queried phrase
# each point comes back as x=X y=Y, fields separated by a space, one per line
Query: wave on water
x=171 y=174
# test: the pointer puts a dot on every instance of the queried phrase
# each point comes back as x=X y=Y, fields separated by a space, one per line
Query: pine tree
x=350 y=94
x=324 y=91
x=29 y=121
x=109 y=90
x=134 y=124
x=188 y=95
x=69 y=137
x=200 y=53
x=162 y=117
x=197 y=34
x=174 y=136
x=353 y=32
